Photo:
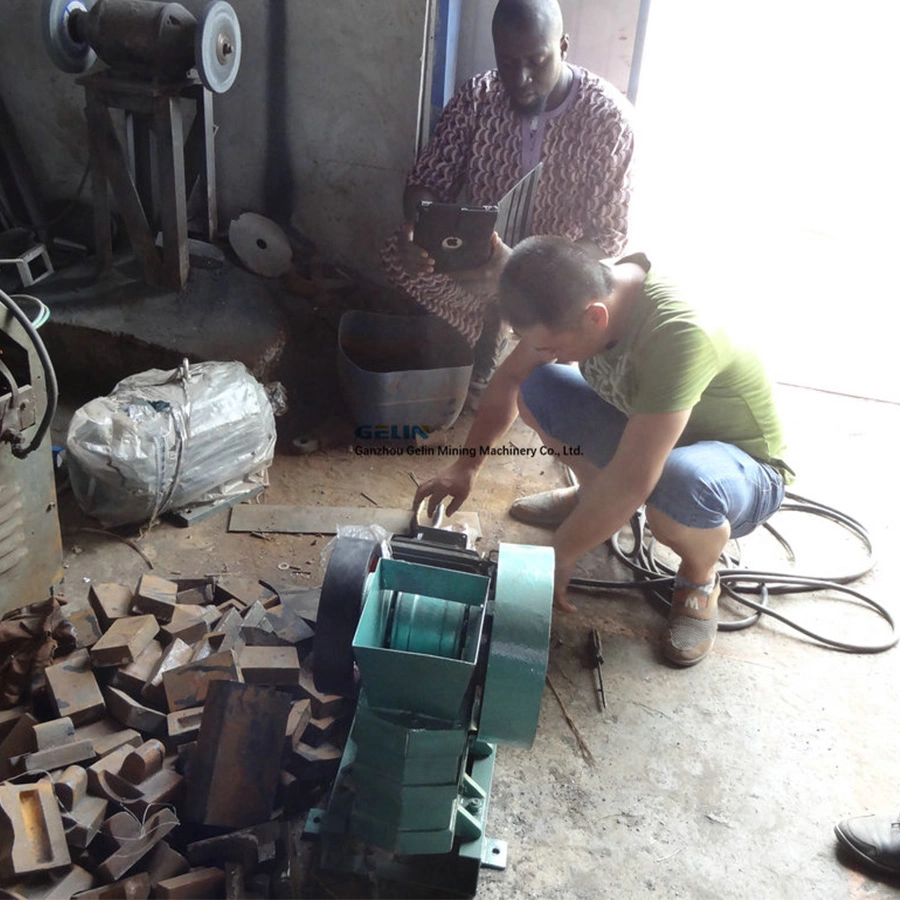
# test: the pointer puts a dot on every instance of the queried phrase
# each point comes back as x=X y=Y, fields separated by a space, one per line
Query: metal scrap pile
x=171 y=743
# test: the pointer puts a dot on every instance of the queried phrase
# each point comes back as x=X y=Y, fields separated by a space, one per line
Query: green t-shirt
x=671 y=358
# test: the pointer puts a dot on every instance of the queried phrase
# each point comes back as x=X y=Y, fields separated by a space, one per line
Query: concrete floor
x=720 y=781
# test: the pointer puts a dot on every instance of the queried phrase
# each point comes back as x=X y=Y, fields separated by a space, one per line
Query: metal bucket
x=400 y=373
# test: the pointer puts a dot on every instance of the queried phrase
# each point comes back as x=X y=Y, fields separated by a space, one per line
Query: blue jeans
x=702 y=485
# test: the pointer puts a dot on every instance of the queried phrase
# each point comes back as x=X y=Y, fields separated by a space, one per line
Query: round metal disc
x=260 y=244
x=340 y=604
x=217 y=46
x=68 y=53
x=519 y=646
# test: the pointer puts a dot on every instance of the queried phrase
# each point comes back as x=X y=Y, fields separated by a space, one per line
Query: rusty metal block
x=58 y=757
x=111 y=762
x=184 y=724
x=322 y=704
x=67 y=882
x=245 y=591
x=110 y=602
x=249 y=846
x=31 y=830
x=319 y=764
x=320 y=731
x=134 y=676
x=135 y=837
x=197 y=884
x=17 y=743
x=70 y=786
x=143 y=761
x=298 y=719
x=175 y=655
x=166 y=863
x=55 y=732
x=135 y=887
x=124 y=641
x=143 y=780
x=156 y=596
x=255 y=617
x=83 y=821
x=202 y=649
x=164 y=788
x=270 y=665
x=129 y=712
x=8 y=719
x=85 y=625
x=195 y=596
x=210 y=615
x=106 y=735
x=74 y=690
x=234 y=769
x=188 y=685
x=186 y=624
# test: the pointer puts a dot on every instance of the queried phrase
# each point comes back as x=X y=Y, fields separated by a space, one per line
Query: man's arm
x=497 y=411
x=609 y=500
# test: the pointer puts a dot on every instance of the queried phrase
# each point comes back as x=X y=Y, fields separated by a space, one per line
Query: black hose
x=18 y=450
x=658 y=578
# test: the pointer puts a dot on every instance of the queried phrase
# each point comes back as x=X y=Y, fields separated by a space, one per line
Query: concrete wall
x=319 y=128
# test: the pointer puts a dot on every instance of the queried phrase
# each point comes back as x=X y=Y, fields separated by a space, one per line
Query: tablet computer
x=456 y=237
x=459 y=237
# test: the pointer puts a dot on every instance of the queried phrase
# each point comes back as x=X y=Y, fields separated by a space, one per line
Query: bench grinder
x=448 y=651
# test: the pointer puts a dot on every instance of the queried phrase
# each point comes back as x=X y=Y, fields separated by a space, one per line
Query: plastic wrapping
x=163 y=440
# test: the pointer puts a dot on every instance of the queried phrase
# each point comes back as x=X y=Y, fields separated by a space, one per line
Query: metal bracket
x=493 y=854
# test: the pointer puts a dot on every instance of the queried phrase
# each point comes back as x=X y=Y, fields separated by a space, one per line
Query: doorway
x=768 y=177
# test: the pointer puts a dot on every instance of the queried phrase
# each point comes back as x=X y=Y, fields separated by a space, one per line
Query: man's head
x=553 y=292
x=529 y=45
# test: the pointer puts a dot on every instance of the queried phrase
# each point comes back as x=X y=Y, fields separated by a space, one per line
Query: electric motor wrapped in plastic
x=163 y=440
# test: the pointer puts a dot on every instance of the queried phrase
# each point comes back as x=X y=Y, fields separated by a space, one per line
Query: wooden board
x=326 y=519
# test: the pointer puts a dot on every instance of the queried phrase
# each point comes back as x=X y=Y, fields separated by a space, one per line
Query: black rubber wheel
x=340 y=604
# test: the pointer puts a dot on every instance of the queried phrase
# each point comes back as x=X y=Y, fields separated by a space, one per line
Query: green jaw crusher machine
x=447 y=652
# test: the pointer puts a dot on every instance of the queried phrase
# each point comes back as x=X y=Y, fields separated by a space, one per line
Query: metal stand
x=153 y=120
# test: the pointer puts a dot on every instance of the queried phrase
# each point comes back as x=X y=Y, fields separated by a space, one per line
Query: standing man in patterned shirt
x=534 y=107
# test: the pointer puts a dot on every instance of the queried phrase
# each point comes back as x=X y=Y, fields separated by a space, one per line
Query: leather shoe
x=547 y=509
x=873 y=840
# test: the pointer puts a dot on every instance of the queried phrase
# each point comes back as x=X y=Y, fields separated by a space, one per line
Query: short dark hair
x=550 y=281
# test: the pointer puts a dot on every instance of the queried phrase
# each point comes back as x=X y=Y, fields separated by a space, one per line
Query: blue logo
x=393 y=432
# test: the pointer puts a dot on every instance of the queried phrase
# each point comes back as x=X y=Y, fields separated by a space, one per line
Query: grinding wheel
x=217 y=46
x=67 y=49
x=260 y=245
x=340 y=603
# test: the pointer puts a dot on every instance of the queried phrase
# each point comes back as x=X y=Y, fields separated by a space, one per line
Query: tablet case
x=456 y=237
x=459 y=237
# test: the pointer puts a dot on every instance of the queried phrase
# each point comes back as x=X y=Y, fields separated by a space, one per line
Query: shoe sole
x=847 y=844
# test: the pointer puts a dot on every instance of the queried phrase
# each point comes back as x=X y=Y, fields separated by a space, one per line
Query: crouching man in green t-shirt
x=666 y=412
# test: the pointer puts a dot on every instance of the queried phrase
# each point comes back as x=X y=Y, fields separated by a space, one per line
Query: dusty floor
x=720 y=781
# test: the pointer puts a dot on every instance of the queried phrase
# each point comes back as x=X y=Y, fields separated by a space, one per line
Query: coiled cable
x=740 y=584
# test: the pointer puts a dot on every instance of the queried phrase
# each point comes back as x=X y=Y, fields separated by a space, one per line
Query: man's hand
x=483 y=279
x=561 y=577
x=455 y=481
x=414 y=259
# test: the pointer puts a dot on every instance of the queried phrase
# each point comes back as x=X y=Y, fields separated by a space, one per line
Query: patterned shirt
x=481 y=147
